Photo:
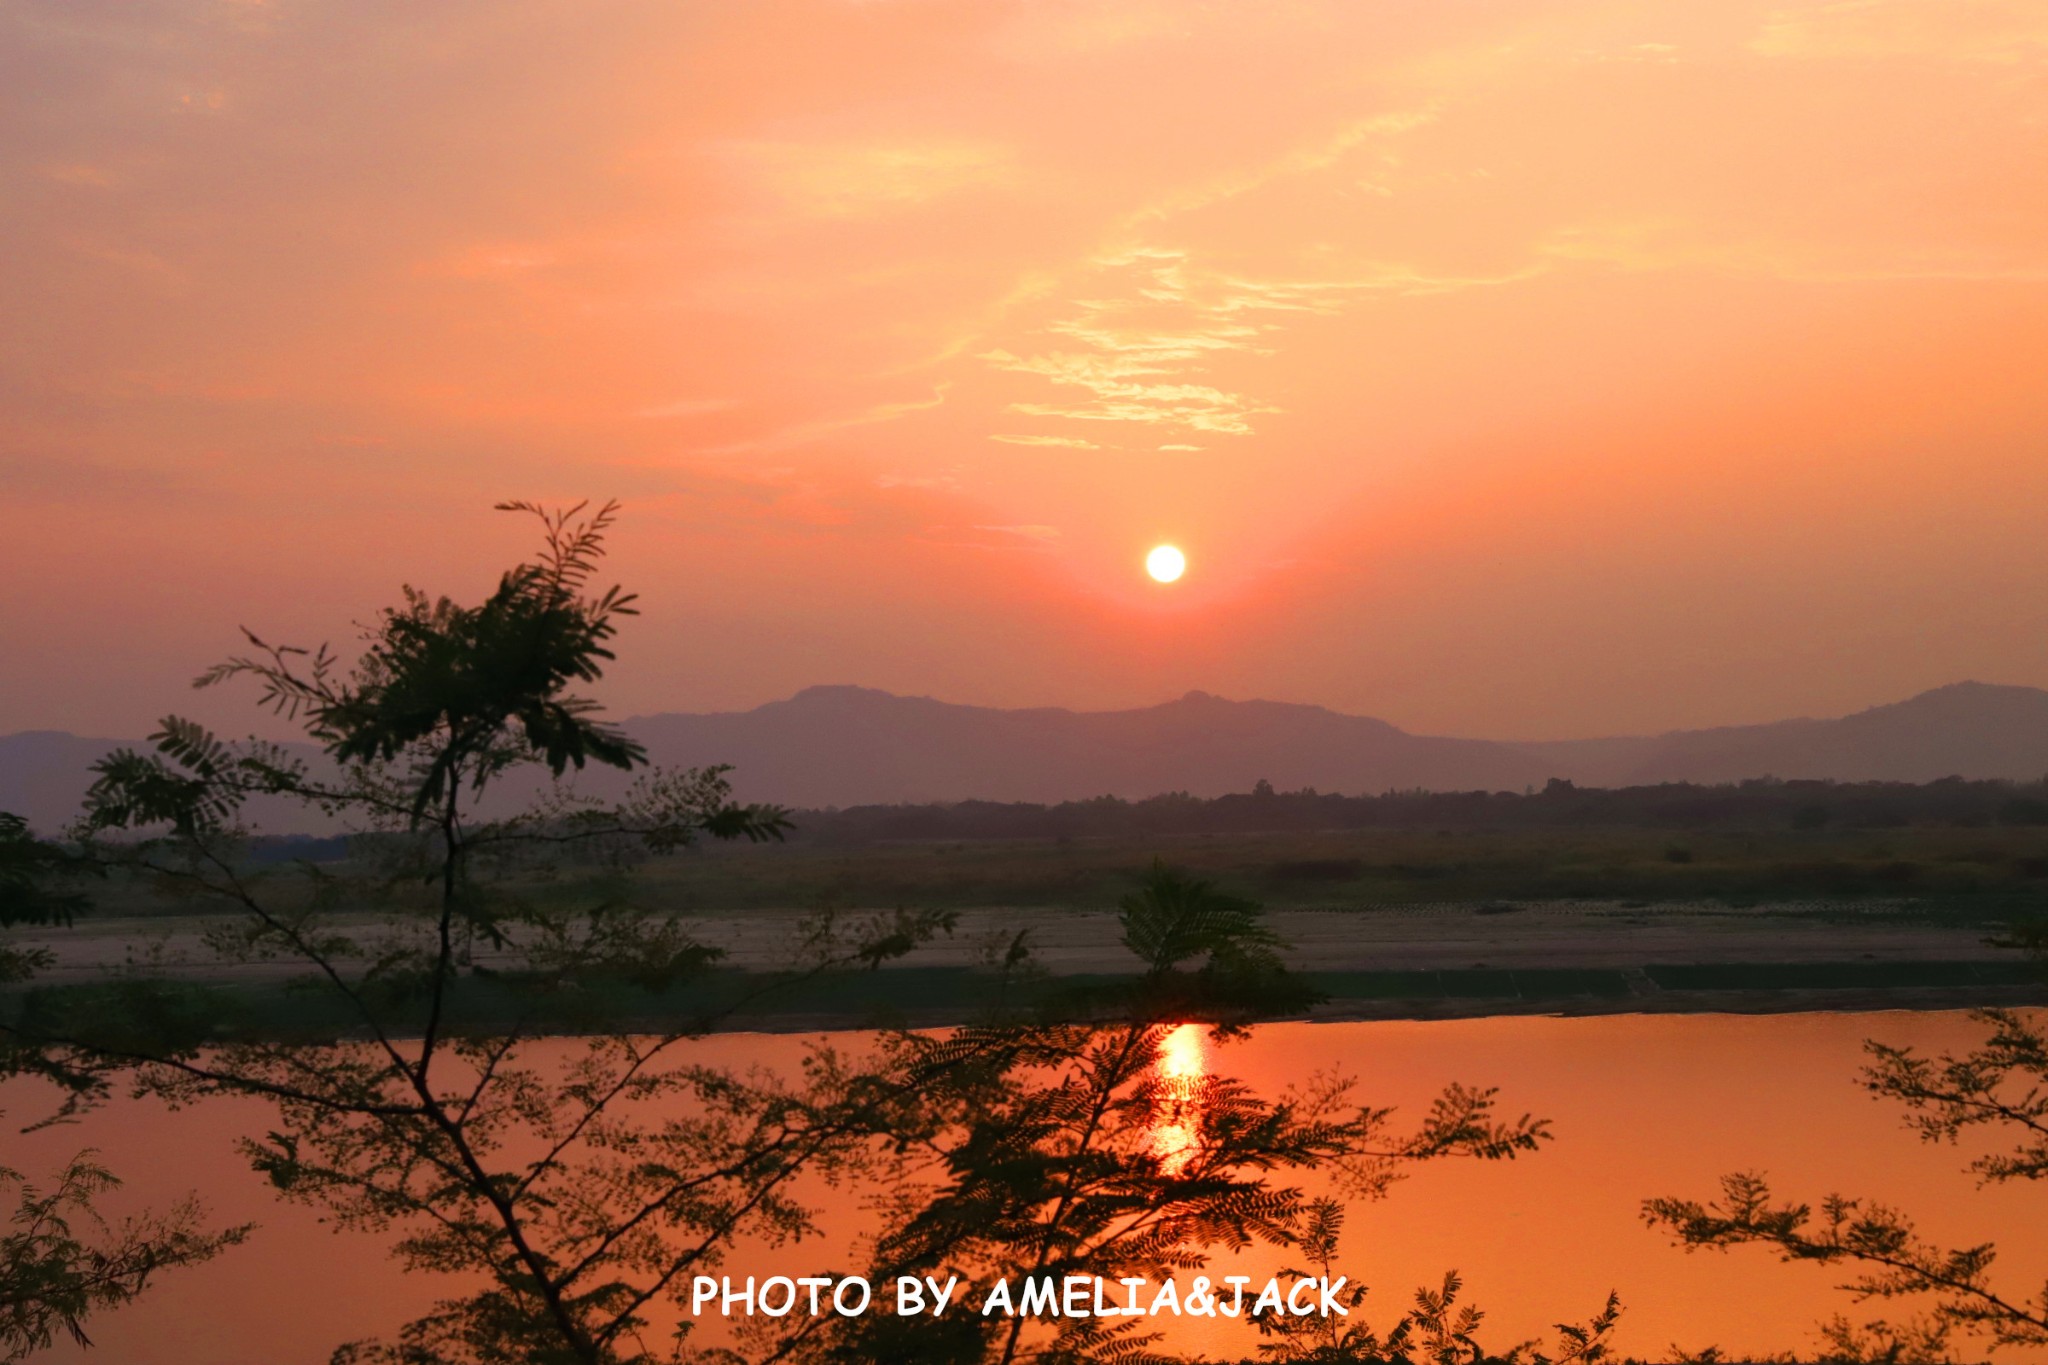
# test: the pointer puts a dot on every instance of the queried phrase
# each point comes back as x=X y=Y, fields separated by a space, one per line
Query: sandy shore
x=1569 y=934
x=1397 y=962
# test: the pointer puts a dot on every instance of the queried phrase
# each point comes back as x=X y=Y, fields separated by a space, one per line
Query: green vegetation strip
x=728 y=999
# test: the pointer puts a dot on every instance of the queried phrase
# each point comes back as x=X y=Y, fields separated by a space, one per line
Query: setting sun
x=1166 y=563
x=1607 y=434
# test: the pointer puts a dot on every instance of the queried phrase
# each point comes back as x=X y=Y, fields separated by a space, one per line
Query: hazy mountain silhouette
x=838 y=746
x=850 y=745
x=44 y=774
x=1966 y=729
x=842 y=746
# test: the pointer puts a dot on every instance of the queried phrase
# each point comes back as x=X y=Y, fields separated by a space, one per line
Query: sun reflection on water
x=1177 y=1118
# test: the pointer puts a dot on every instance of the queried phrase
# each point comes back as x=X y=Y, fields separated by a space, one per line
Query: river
x=1641 y=1105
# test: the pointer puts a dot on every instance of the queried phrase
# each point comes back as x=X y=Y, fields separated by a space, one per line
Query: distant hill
x=1966 y=729
x=44 y=774
x=846 y=746
x=842 y=746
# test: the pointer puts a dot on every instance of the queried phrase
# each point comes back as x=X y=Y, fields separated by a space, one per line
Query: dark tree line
x=1758 y=804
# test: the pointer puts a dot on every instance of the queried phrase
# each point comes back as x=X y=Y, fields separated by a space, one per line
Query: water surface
x=1642 y=1105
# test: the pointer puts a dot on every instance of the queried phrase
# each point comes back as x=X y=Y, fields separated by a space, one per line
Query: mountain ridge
x=841 y=744
x=1961 y=729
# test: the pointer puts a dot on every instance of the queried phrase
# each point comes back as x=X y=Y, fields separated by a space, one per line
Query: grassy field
x=1940 y=870
x=1385 y=923
x=1949 y=874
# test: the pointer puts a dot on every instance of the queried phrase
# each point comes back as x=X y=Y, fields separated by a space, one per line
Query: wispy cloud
x=2003 y=32
x=689 y=407
x=79 y=173
x=1070 y=442
x=1196 y=406
x=1061 y=32
x=1317 y=155
x=1133 y=347
x=1145 y=338
x=804 y=433
x=1041 y=534
x=1653 y=244
x=858 y=179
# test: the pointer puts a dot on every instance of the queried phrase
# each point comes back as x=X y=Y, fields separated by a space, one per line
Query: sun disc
x=1165 y=563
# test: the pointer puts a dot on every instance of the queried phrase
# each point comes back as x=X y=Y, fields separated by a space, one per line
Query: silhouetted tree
x=32 y=891
x=61 y=1262
x=54 y=1275
x=1437 y=1330
x=2000 y=1085
x=578 y=1186
x=1061 y=1146
x=573 y=1190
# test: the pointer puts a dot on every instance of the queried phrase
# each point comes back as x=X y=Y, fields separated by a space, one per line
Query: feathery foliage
x=2002 y=1084
x=30 y=871
x=54 y=1276
x=577 y=1183
x=1086 y=1141
x=570 y=1188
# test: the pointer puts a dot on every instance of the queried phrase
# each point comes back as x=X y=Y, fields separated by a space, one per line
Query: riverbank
x=1424 y=961
x=728 y=1000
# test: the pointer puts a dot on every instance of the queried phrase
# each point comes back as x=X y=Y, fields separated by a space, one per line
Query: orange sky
x=1524 y=370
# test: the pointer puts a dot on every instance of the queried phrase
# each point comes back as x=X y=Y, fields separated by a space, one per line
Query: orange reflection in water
x=1642 y=1105
x=1177 y=1120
